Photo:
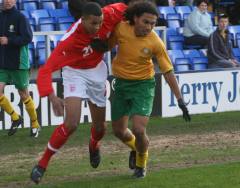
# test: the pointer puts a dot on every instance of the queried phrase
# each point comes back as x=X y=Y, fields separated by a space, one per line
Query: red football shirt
x=75 y=51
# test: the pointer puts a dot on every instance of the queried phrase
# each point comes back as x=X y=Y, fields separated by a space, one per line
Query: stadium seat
x=173 y=54
x=55 y=39
x=41 y=13
x=48 y=5
x=174 y=24
x=183 y=10
x=165 y=10
x=57 y=13
x=47 y=24
x=64 y=4
x=191 y=53
x=203 y=52
x=234 y=29
x=64 y=23
x=25 y=13
x=175 y=42
x=30 y=5
x=182 y=64
x=199 y=63
x=236 y=52
x=32 y=23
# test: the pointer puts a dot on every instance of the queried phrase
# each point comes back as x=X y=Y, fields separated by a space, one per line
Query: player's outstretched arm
x=172 y=82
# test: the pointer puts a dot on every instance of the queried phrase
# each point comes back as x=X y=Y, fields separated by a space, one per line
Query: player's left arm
x=167 y=70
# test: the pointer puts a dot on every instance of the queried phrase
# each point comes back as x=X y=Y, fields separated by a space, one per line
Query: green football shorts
x=132 y=97
x=19 y=78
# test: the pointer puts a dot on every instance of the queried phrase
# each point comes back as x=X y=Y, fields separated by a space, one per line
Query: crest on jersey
x=146 y=51
x=11 y=28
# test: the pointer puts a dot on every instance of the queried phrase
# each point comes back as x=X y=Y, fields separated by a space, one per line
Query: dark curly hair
x=138 y=9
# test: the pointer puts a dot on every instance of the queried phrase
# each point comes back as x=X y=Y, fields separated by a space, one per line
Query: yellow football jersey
x=134 y=54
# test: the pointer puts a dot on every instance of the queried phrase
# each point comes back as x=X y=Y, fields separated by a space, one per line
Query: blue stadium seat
x=57 y=13
x=55 y=39
x=175 y=42
x=25 y=13
x=199 y=63
x=174 y=24
x=174 y=54
x=48 y=4
x=41 y=13
x=32 y=23
x=234 y=29
x=182 y=64
x=203 y=52
x=183 y=10
x=236 y=52
x=165 y=10
x=64 y=4
x=47 y=24
x=191 y=53
x=30 y=5
x=64 y=23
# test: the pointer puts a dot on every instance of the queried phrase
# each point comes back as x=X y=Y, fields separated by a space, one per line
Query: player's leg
x=142 y=142
x=5 y=103
x=120 y=109
x=121 y=131
x=21 y=81
x=141 y=110
x=98 y=130
x=60 y=136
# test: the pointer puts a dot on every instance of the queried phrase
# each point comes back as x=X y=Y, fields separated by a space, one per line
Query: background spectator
x=220 y=47
x=198 y=26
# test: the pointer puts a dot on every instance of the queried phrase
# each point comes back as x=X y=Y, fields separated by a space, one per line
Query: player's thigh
x=72 y=111
x=142 y=102
x=20 y=78
x=98 y=113
x=120 y=125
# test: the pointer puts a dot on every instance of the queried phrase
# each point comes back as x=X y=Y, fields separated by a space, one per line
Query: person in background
x=198 y=26
x=219 y=52
x=15 y=35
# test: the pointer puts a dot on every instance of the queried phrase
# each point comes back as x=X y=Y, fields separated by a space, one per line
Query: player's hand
x=99 y=45
x=58 y=104
x=184 y=109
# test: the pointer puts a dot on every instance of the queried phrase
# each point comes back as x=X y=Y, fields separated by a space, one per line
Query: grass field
x=202 y=154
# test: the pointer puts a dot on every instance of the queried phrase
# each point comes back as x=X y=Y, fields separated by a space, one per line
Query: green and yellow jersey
x=134 y=54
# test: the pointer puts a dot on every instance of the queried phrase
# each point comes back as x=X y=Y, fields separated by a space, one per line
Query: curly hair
x=138 y=9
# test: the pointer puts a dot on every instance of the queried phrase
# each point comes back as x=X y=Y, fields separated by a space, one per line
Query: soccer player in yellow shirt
x=135 y=84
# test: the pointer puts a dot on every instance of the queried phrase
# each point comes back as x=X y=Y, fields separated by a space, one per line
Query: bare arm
x=172 y=82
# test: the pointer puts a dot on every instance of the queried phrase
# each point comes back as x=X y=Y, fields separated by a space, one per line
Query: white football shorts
x=87 y=84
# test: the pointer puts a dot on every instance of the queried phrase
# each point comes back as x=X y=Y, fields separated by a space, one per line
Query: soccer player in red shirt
x=84 y=77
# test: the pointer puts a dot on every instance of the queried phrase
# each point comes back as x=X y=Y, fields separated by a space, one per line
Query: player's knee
x=139 y=132
x=100 y=126
x=118 y=132
x=71 y=126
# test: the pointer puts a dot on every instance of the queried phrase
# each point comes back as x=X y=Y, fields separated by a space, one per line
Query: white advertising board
x=204 y=92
